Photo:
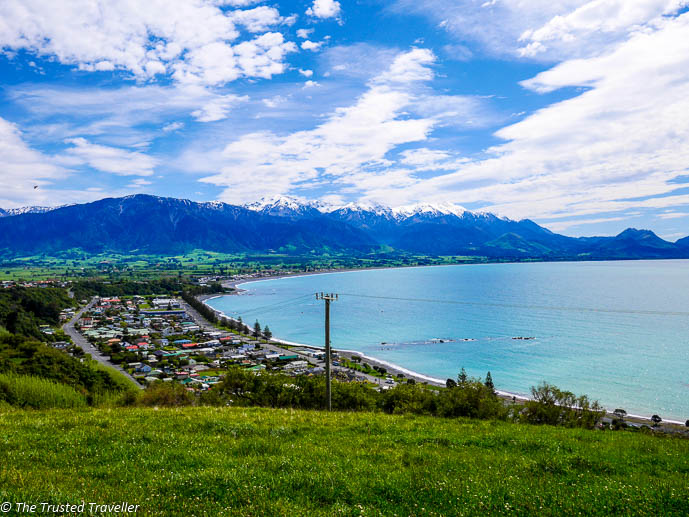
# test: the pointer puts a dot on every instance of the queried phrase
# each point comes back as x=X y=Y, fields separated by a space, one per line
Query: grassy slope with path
x=208 y=461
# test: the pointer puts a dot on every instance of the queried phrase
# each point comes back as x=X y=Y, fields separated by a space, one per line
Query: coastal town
x=160 y=338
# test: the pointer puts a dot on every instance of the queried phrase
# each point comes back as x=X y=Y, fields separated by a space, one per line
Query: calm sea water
x=617 y=331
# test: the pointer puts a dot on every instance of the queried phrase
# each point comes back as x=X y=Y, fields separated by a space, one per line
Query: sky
x=573 y=113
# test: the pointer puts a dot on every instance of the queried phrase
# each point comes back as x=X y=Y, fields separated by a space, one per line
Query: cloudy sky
x=574 y=113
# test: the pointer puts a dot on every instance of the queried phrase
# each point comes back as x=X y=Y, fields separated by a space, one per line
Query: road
x=88 y=348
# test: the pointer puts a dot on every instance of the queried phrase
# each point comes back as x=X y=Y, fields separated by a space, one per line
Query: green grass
x=232 y=461
x=38 y=393
x=121 y=381
x=76 y=264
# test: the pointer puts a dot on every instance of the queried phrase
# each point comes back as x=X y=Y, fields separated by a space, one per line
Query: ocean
x=617 y=331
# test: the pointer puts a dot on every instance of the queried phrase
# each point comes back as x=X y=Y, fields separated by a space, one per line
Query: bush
x=471 y=399
x=553 y=406
x=166 y=394
x=27 y=391
x=409 y=398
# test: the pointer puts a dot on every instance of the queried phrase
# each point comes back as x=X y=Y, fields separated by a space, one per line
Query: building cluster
x=156 y=338
x=7 y=284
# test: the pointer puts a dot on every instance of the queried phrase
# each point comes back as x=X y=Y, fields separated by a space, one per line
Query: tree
x=257 y=329
x=620 y=413
x=449 y=383
x=267 y=333
x=462 y=378
x=656 y=420
x=686 y=424
x=489 y=382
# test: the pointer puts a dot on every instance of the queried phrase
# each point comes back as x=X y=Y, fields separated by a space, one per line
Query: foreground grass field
x=208 y=461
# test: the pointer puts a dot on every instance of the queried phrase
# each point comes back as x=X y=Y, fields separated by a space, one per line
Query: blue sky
x=573 y=113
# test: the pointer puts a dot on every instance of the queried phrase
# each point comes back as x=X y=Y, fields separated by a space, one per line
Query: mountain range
x=150 y=224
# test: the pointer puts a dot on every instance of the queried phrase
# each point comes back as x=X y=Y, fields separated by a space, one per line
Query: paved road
x=87 y=347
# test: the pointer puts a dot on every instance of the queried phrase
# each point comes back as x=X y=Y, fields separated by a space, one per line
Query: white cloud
x=23 y=168
x=304 y=33
x=544 y=29
x=594 y=23
x=306 y=73
x=311 y=45
x=324 y=9
x=173 y=126
x=217 y=63
x=237 y=3
x=274 y=102
x=353 y=139
x=673 y=215
x=218 y=108
x=117 y=116
x=111 y=159
x=259 y=19
x=594 y=153
x=28 y=177
x=138 y=183
x=149 y=38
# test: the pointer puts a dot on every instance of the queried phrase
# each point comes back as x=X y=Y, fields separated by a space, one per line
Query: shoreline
x=395 y=368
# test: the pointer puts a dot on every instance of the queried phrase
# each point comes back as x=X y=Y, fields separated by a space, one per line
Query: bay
x=616 y=331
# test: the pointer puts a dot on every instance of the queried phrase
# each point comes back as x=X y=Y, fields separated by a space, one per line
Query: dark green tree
x=489 y=382
x=449 y=383
x=257 y=329
x=267 y=333
x=462 y=378
x=620 y=413
x=656 y=420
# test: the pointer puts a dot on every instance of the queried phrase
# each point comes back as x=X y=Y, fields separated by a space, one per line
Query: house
x=159 y=303
x=296 y=364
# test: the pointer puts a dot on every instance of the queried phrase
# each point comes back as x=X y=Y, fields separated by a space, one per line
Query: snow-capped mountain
x=285 y=206
x=429 y=209
x=290 y=206
x=8 y=212
x=151 y=224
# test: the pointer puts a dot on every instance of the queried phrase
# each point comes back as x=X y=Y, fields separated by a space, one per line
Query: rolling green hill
x=237 y=461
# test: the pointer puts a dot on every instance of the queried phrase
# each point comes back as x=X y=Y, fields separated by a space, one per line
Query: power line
x=517 y=306
x=274 y=305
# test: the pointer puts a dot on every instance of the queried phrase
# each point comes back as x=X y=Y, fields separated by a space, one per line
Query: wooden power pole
x=327 y=298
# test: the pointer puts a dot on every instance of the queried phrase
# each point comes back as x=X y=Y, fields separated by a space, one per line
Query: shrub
x=166 y=394
x=471 y=399
x=553 y=406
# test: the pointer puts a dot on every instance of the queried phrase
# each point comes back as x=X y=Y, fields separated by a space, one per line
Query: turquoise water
x=617 y=331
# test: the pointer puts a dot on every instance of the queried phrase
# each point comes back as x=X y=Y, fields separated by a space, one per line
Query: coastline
x=235 y=284
x=393 y=368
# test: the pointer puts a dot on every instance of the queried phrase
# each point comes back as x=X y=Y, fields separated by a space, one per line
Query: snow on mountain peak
x=436 y=209
x=282 y=203
x=28 y=210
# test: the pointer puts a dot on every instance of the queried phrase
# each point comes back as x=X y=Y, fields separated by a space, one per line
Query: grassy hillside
x=232 y=461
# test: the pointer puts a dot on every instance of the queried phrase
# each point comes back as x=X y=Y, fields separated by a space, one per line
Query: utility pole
x=327 y=298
